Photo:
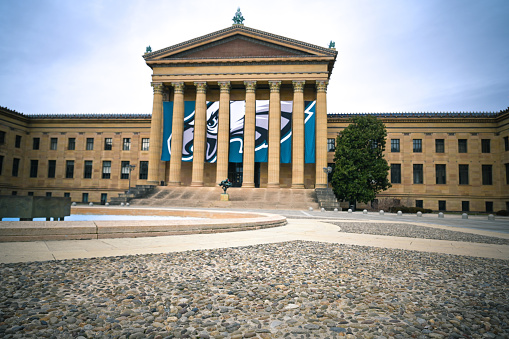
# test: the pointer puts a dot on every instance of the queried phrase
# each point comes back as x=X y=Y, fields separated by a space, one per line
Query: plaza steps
x=327 y=199
x=242 y=198
x=137 y=192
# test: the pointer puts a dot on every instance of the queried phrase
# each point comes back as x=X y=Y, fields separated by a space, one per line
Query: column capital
x=274 y=85
x=178 y=87
x=298 y=85
x=224 y=86
x=201 y=87
x=321 y=85
x=250 y=85
x=158 y=87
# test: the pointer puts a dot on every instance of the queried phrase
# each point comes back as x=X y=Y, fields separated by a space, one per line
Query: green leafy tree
x=360 y=170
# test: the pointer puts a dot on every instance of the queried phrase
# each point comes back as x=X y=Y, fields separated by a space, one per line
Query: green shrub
x=503 y=213
x=405 y=209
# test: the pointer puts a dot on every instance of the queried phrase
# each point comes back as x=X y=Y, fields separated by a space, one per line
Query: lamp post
x=327 y=170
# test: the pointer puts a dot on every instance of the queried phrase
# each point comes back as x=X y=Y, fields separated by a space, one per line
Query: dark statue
x=225 y=184
x=332 y=44
x=238 y=19
x=148 y=50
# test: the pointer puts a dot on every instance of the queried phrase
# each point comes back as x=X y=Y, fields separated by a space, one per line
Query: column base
x=273 y=185
x=248 y=185
x=174 y=183
x=297 y=185
x=197 y=184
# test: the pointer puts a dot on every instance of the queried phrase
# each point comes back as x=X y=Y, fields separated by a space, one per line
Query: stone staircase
x=326 y=199
x=241 y=198
x=137 y=192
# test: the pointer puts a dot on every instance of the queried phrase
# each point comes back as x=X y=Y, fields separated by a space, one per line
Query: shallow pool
x=95 y=217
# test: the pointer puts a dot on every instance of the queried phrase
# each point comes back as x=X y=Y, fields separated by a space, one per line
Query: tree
x=360 y=170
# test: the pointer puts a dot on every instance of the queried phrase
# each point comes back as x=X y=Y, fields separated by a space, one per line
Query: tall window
x=417 y=145
x=418 y=174
x=489 y=206
x=71 y=144
x=440 y=174
x=442 y=205
x=465 y=206
x=34 y=166
x=90 y=144
x=145 y=144
x=2 y=137
x=331 y=144
x=87 y=169
x=69 y=169
x=396 y=173
x=506 y=143
x=84 y=197
x=506 y=173
x=462 y=146
x=52 y=165
x=126 y=144
x=394 y=145
x=17 y=142
x=463 y=174
x=124 y=171
x=143 y=170
x=104 y=198
x=486 y=145
x=419 y=203
x=48 y=194
x=106 y=170
x=487 y=174
x=53 y=144
x=36 y=143
x=439 y=146
x=2 y=163
x=15 y=167
x=108 y=144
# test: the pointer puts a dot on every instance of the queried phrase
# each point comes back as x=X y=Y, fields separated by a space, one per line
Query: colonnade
x=156 y=166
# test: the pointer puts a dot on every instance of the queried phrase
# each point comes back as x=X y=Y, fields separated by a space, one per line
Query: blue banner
x=188 y=132
x=286 y=132
x=237 y=114
x=262 y=131
x=309 y=132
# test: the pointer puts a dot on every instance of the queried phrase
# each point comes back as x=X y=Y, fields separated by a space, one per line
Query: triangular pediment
x=238 y=41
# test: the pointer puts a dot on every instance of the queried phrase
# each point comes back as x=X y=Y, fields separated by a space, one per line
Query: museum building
x=250 y=106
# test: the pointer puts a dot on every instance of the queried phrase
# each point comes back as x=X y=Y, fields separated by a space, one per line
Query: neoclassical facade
x=250 y=106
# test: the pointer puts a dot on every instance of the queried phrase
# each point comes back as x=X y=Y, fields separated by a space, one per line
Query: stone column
x=200 y=134
x=321 y=133
x=223 y=133
x=298 y=135
x=274 y=134
x=177 y=131
x=249 y=135
x=156 y=135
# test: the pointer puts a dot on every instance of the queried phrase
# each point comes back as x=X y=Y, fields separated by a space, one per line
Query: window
x=489 y=206
x=106 y=170
x=15 y=167
x=145 y=144
x=144 y=169
x=17 y=142
x=462 y=146
x=84 y=197
x=486 y=145
x=396 y=173
x=331 y=145
x=53 y=144
x=506 y=143
x=34 y=166
x=87 y=170
x=465 y=206
x=30 y=194
x=104 y=198
x=90 y=144
x=108 y=144
x=14 y=193
x=418 y=174
x=2 y=137
x=36 y=142
x=440 y=174
x=124 y=171
x=439 y=146
x=71 y=144
x=52 y=165
x=487 y=174
x=69 y=169
x=48 y=194
x=394 y=145
x=506 y=172
x=2 y=163
x=67 y=194
x=463 y=174
x=419 y=204
x=417 y=145
x=441 y=205
x=126 y=144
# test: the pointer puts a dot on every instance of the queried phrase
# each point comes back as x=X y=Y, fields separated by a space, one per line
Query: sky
x=70 y=56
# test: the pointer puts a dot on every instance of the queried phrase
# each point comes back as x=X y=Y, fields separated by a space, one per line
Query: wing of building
x=250 y=106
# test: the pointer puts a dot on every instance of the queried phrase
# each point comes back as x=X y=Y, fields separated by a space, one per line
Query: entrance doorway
x=235 y=171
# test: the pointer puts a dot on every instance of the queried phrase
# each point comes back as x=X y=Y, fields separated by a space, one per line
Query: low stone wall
x=25 y=207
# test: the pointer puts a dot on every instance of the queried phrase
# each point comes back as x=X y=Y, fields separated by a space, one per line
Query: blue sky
x=70 y=56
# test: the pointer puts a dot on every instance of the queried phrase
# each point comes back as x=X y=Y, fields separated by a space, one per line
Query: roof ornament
x=238 y=19
x=148 y=50
x=332 y=44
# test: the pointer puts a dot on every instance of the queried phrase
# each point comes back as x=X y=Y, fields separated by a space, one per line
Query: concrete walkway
x=297 y=229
